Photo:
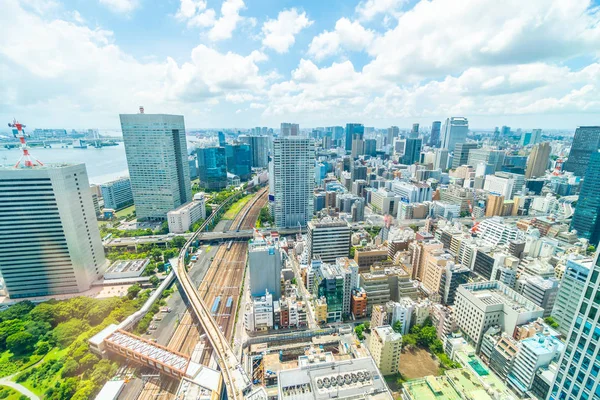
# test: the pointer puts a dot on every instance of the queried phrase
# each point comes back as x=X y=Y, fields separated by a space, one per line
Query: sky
x=246 y=63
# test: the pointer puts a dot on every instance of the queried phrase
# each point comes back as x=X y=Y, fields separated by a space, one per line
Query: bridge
x=149 y=354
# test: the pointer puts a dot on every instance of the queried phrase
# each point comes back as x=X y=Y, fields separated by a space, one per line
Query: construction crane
x=26 y=158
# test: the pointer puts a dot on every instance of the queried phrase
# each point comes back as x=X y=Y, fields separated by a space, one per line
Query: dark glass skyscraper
x=577 y=376
x=239 y=160
x=212 y=167
x=222 y=141
x=434 y=139
x=585 y=142
x=586 y=220
x=351 y=129
x=412 y=151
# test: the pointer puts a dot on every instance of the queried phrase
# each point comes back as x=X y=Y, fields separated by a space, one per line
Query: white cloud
x=477 y=58
x=442 y=37
x=195 y=13
x=48 y=73
x=120 y=6
x=368 y=9
x=189 y=8
x=349 y=35
x=340 y=92
x=280 y=34
x=230 y=18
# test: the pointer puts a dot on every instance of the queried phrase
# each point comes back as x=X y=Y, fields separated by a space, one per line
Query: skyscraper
x=461 y=154
x=156 y=150
x=585 y=143
x=288 y=129
x=414 y=133
x=412 y=151
x=293 y=181
x=259 y=146
x=49 y=238
x=434 y=139
x=352 y=129
x=358 y=145
x=392 y=133
x=536 y=136
x=455 y=131
x=586 y=219
x=371 y=147
x=222 y=141
x=239 y=160
x=212 y=167
x=537 y=163
x=579 y=365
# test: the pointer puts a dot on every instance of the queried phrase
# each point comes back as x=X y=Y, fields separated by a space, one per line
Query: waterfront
x=102 y=165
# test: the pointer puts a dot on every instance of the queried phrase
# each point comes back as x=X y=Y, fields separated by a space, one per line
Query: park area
x=237 y=207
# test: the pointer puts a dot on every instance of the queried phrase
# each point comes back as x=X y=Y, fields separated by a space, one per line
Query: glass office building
x=577 y=376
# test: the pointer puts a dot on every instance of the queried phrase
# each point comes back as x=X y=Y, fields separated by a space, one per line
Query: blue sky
x=245 y=63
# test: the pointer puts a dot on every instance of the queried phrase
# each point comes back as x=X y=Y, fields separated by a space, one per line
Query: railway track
x=223 y=279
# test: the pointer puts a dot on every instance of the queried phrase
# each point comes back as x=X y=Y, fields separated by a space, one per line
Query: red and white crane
x=26 y=158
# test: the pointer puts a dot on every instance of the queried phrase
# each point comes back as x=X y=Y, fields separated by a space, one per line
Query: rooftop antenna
x=26 y=158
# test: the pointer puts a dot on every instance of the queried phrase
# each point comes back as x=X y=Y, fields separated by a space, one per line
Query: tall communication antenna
x=26 y=158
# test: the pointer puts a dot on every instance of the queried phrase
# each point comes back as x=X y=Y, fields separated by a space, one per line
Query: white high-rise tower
x=49 y=238
x=293 y=181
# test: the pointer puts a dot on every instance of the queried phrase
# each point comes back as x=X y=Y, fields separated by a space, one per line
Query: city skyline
x=314 y=63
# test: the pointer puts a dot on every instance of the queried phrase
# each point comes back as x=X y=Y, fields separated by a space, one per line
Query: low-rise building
x=183 y=217
x=358 y=303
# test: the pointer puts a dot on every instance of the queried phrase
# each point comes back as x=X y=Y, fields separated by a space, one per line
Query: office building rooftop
x=324 y=379
x=494 y=292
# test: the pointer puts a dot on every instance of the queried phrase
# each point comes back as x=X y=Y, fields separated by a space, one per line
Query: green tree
x=133 y=291
x=426 y=336
x=84 y=390
x=164 y=228
x=70 y=368
x=397 y=327
x=436 y=347
x=44 y=312
x=154 y=280
x=178 y=241
x=156 y=254
x=103 y=371
x=66 y=332
x=551 y=321
x=20 y=343
x=591 y=248
x=87 y=362
x=414 y=227
x=16 y=311
x=42 y=348
x=359 y=331
x=409 y=341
